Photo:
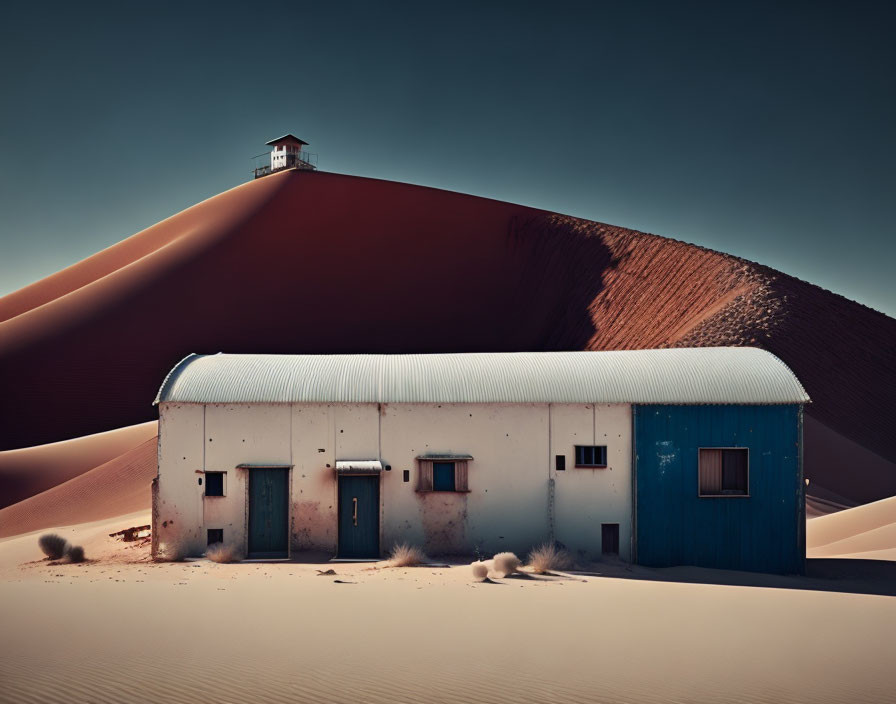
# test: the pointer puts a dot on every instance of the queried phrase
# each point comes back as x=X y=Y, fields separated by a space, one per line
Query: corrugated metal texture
x=760 y=532
x=719 y=375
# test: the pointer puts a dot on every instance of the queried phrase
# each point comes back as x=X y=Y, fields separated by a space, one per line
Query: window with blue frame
x=443 y=478
x=443 y=474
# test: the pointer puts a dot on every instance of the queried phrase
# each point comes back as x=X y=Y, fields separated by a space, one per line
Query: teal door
x=268 y=512
x=359 y=517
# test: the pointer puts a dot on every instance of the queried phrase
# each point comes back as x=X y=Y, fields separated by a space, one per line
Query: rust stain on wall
x=170 y=535
x=313 y=526
x=154 y=520
x=444 y=523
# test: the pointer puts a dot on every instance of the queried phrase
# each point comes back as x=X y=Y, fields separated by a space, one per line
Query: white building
x=351 y=454
x=287 y=153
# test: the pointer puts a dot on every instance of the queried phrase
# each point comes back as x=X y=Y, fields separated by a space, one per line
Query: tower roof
x=285 y=139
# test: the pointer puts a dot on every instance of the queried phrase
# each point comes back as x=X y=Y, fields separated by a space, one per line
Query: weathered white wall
x=321 y=434
x=234 y=435
x=508 y=505
x=278 y=157
x=313 y=504
x=279 y=154
x=179 y=527
x=586 y=498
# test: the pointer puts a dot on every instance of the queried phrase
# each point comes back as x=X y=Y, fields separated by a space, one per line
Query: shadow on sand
x=824 y=575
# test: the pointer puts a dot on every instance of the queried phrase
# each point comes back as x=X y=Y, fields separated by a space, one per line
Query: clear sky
x=763 y=130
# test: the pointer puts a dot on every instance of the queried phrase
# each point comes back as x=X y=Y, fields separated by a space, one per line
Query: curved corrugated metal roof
x=712 y=375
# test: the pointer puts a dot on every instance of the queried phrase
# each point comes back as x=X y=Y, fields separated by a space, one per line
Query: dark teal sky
x=763 y=130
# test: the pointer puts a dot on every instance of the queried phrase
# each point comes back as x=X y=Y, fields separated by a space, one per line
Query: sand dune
x=31 y=470
x=821 y=501
x=318 y=262
x=875 y=544
x=93 y=536
x=119 y=486
x=816 y=507
x=189 y=223
x=867 y=531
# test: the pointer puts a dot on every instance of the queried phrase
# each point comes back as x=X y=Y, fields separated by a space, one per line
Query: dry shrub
x=480 y=570
x=405 y=555
x=222 y=553
x=75 y=553
x=52 y=545
x=548 y=557
x=506 y=563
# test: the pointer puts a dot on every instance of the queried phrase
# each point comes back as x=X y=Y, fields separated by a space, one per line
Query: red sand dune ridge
x=31 y=470
x=145 y=243
x=658 y=292
x=117 y=487
x=316 y=262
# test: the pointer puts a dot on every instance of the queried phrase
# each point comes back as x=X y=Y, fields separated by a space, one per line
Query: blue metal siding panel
x=676 y=527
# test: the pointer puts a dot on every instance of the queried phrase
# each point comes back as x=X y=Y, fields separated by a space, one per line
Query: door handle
x=355 y=510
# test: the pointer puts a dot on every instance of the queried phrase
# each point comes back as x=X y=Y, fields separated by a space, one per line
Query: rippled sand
x=127 y=630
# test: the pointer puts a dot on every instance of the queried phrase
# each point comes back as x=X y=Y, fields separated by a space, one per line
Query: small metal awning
x=444 y=458
x=264 y=466
x=359 y=466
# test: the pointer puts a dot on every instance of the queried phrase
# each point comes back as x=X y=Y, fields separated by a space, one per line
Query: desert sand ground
x=121 y=628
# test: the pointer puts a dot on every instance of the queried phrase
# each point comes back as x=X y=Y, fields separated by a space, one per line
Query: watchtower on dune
x=286 y=153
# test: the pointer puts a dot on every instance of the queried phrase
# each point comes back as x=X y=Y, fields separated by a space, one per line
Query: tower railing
x=283 y=161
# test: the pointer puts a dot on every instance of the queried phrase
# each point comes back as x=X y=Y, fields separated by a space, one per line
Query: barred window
x=591 y=455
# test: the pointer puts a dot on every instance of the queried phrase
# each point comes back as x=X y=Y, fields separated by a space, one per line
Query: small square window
x=560 y=463
x=214 y=483
x=443 y=476
x=215 y=535
x=591 y=455
x=723 y=471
